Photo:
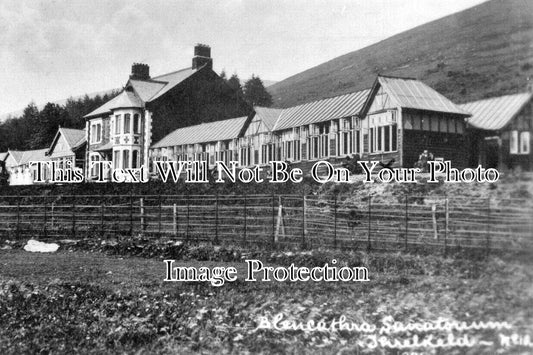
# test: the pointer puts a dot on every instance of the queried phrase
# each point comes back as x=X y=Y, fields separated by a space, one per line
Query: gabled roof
x=126 y=99
x=269 y=116
x=204 y=133
x=144 y=91
x=496 y=112
x=25 y=156
x=413 y=94
x=15 y=154
x=75 y=138
x=173 y=79
x=322 y=110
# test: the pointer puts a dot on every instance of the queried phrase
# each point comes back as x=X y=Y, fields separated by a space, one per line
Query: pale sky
x=51 y=50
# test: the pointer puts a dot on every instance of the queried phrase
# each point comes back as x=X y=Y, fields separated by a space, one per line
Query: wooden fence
x=337 y=221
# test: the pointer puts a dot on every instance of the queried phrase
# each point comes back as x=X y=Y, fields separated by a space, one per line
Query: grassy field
x=81 y=302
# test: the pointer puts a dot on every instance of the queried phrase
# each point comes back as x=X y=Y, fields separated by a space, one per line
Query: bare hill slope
x=483 y=51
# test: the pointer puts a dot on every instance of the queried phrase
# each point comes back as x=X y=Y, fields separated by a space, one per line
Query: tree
x=235 y=83
x=50 y=118
x=255 y=93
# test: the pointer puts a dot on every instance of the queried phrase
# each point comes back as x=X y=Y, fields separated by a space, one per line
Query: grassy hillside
x=483 y=51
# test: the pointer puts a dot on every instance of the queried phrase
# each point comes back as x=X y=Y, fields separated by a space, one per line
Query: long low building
x=394 y=121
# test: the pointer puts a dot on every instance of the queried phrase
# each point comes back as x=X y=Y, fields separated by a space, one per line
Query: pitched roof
x=74 y=137
x=126 y=99
x=496 y=112
x=16 y=154
x=203 y=133
x=322 y=110
x=172 y=80
x=25 y=156
x=414 y=94
x=269 y=116
x=144 y=91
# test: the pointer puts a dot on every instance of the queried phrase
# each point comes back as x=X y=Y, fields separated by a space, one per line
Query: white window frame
x=96 y=130
x=524 y=144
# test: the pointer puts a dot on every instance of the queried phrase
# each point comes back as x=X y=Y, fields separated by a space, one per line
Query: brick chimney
x=140 y=71
x=202 y=56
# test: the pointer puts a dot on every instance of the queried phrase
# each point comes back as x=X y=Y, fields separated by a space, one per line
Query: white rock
x=39 y=247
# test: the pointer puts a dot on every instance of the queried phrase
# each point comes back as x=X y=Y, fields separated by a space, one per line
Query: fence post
x=245 y=221
x=141 y=204
x=18 y=217
x=487 y=246
x=335 y=225
x=369 y=221
x=216 y=219
x=160 y=217
x=102 y=215
x=131 y=212
x=175 y=220
x=45 y=219
x=188 y=214
x=445 y=225
x=406 y=220
x=304 y=222
x=73 y=216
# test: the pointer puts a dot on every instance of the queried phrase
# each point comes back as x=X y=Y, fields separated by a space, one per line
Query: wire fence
x=307 y=221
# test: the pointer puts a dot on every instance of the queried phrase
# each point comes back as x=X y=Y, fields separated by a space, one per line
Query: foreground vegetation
x=88 y=302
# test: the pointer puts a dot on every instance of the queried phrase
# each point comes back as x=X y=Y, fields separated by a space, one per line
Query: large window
x=384 y=139
x=96 y=132
x=127 y=123
x=118 y=124
x=125 y=159
x=136 y=124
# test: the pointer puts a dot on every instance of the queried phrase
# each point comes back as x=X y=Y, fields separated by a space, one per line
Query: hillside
x=480 y=52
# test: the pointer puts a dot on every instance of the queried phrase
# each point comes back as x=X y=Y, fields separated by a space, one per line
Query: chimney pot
x=140 y=71
x=202 y=56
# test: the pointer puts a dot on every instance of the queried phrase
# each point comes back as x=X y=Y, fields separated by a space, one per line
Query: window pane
x=134 y=159
x=394 y=131
x=387 y=138
x=116 y=158
x=380 y=129
x=117 y=124
x=136 y=123
x=126 y=159
x=127 y=123
x=524 y=142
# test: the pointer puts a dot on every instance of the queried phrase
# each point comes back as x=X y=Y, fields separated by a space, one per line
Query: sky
x=51 y=50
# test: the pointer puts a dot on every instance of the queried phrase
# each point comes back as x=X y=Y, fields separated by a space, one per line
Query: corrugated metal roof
x=126 y=99
x=322 y=110
x=32 y=155
x=411 y=93
x=269 y=116
x=496 y=112
x=204 y=133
